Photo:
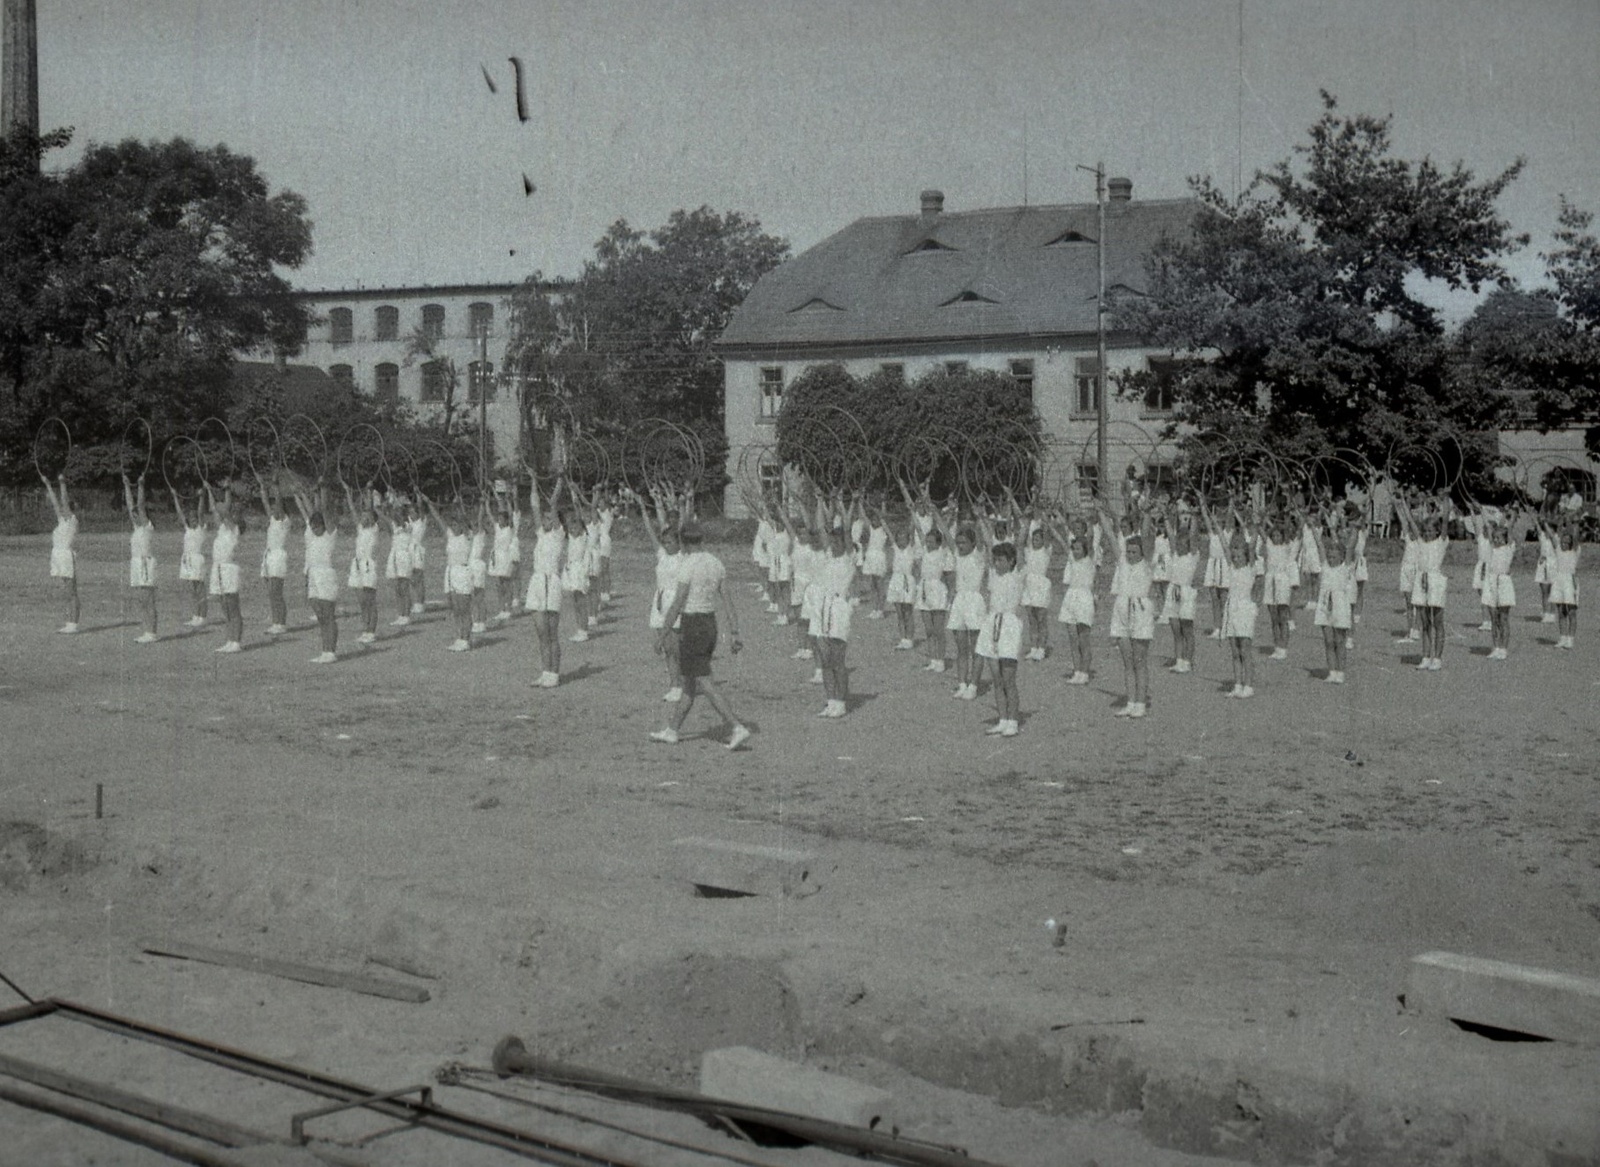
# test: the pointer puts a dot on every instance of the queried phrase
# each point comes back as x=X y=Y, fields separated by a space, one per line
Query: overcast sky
x=805 y=114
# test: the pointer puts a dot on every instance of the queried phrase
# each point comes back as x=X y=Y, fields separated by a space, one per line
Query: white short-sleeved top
x=1036 y=560
x=457 y=548
x=224 y=543
x=837 y=575
x=277 y=534
x=970 y=570
x=667 y=565
x=937 y=562
x=478 y=547
x=703 y=573
x=1005 y=591
x=194 y=541
x=549 y=549
x=142 y=540
x=66 y=530
x=1079 y=574
x=366 y=541
x=319 y=550
x=1134 y=580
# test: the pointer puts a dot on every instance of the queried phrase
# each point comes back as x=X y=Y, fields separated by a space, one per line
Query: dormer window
x=930 y=244
x=1069 y=236
x=817 y=304
x=969 y=297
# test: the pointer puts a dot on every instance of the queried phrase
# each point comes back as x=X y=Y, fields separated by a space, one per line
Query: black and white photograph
x=780 y=583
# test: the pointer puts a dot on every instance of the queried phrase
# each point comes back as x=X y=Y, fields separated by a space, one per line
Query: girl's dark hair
x=1006 y=551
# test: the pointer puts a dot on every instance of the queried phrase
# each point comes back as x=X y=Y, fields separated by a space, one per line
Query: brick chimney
x=932 y=203
x=1120 y=189
x=19 y=66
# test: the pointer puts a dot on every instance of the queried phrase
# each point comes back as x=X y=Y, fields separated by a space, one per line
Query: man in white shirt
x=702 y=584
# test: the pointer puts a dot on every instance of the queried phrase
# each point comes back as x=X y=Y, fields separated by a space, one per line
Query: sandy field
x=1242 y=882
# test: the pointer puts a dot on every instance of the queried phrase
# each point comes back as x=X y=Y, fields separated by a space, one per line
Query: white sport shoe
x=324 y=658
x=1349 y=643
x=367 y=638
x=68 y=628
x=460 y=645
x=1125 y=711
x=1137 y=709
x=1078 y=678
x=1280 y=654
x=1009 y=729
x=780 y=622
x=502 y=616
x=594 y=621
x=1486 y=626
x=195 y=622
x=1334 y=677
x=549 y=680
x=668 y=735
x=1424 y=664
x=1547 y=618
x=1214 y=634
x=1291 y=626
x=673 y=694
x=400 y=622
x=970 y=693
x=579 y=636
x=904 y=645
x=1248 y=691
x=231 y=646
x=875 y=614
x=146 y=638
x=418 y=609
x=738 y=737
x=1436 y=665
x=816 y=677
x=996 y=729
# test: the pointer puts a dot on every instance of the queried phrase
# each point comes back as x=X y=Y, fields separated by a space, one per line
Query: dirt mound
x=1412 y=893
x=29 y=853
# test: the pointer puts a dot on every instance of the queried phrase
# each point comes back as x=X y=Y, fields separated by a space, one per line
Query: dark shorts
x=697 y=640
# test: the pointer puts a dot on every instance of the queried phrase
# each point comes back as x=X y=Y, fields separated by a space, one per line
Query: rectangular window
x=955 y=366
x=386 y=323
x=388 y=383
x=343 y=374
x=1022 y=374
x=894 y=369
x=433 y=320
x=480 y=318
x=341 y=325
x=1086 y=397
x=432 y=382
x=480 y=380
x=1158 y=394
x=1088 y=483
x=771 y=392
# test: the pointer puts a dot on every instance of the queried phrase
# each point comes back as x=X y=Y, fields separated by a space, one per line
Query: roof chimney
x=1121 y=189
x=932 y=203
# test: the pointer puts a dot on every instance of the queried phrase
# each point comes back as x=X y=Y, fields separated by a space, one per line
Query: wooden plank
x=309 y=974
x=1560 y=1006
x=748 y=868
x=752 y=1077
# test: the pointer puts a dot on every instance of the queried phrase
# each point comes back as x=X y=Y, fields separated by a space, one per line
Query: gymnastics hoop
x=38 y=440
x=257 y=445
x=126 y=448
x=317 y=454
x=172 y=469
x=233 y=451
x=349 y=455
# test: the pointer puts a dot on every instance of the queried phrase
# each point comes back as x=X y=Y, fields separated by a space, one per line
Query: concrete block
x=1549 y=1004
x=753 y=1078
x=746 y=867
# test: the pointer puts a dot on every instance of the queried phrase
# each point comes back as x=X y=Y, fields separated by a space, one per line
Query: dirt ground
x=1242 y=882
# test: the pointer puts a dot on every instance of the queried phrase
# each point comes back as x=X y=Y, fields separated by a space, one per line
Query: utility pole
x=483 y=402
x=1099 y=172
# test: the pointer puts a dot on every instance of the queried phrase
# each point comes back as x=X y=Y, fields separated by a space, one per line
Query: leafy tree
x=1297 y=302
x=631 y=337
x=132 y=278
x=972 y=428
x=423 y=345
x=1547 y=343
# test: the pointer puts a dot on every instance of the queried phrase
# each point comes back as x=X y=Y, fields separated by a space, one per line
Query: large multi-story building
x=1012 y=289
x=432 y=347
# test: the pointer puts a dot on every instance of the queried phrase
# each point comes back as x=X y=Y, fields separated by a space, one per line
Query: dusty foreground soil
x=1243 y=882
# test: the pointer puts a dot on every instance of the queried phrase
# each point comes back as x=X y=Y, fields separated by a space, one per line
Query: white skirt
x=811 y=609
x=967 y=612
x=419 y=557
x=1278 y=588
x=363 y=574
x=274 y=565
x=780 y=570
x=192 y=568
x=834 y=622
x=1564 y=589
x=901 y=590
x=63 y=563
x=1334 y=608
x=1178 y=604
x=1077 y=607
x=503 y=566
x=398 y=565
x=1133 y=617
x=142 y=572
x=1000 y=638
x=1214 y=572
x=932 y=596
x=224 y=579
x=1239 y=617
x=458 y=580
x=1429 y=589
x=1498 y=591
x=1035 y=590
x=322 y=583
x=659 y=603
x=480 y=574
x=875 y=563
x=575 y=576
x=544 y=592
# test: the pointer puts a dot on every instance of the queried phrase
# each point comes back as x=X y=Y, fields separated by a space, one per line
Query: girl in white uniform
x=457 y=570
x=543 y=599
x=1309 y=562
x=1499 y=594
x=1564 y=579
x=1036 y=589
x=780 y=569
x=1216 y=573
x=1336 y=597
x=575 y=574
x=835 y=583
x=669 y=554
x=397 y=567
x=606 y=516
x=934 y=567
x=478 y=562
x=1408 y=572
x=1133 y=624
x=1282 y=577
x=1429 y=586
x=63 y=559
x=502 y=562
x=1541 y=572
x=901 y=590
x=1178 y=608
x=1239 y=579
x=364 y=564
x=141 y=558
x=760 y=551
x=1000 y=639
x=275 y=560
x=419 y=556
x=875 y=562
x=1077 y=601
x=225 y=568
x=192 y=560
x=967 y=609
x=322 y=582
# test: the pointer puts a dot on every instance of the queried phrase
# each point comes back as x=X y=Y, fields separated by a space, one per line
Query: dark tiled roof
x=966 y=275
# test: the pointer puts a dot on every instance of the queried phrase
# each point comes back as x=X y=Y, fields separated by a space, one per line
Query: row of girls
x=482 y=551
x=987 y=584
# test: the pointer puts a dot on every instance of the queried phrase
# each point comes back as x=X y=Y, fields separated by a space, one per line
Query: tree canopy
x=1298 y=301
x=632 y=336
x=129 y=280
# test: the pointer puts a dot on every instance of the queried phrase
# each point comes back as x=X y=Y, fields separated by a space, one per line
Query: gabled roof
x=966 y=275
